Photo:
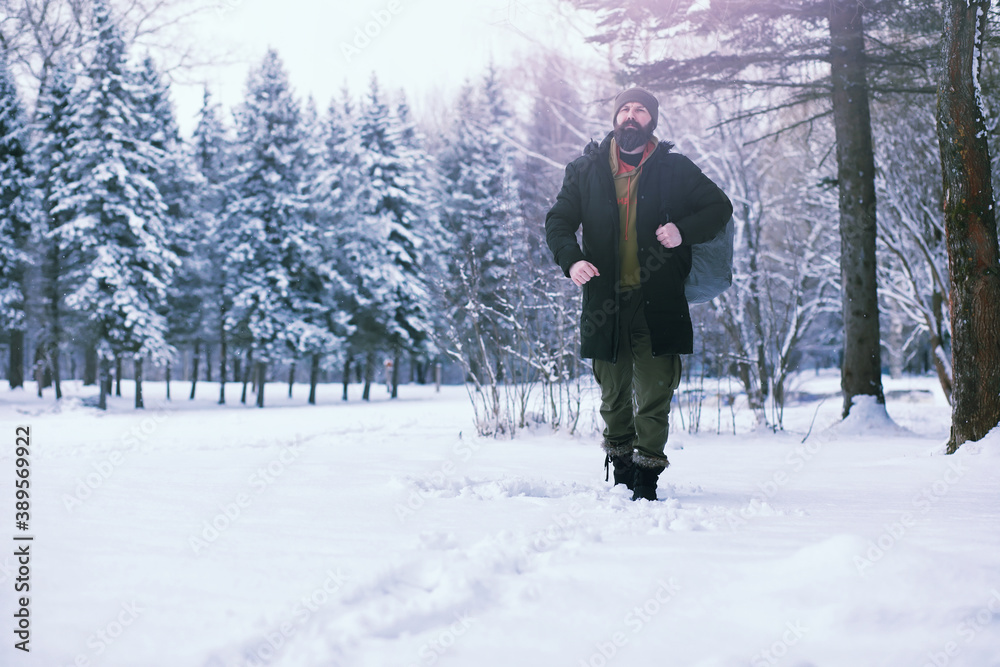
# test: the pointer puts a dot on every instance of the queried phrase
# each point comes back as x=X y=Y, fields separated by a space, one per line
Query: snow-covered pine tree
x=328 y=169
x=333 y=197
x=177 y=179
x=269 y=239
x=54 y=131
x=115 y=231
x=17 y=210
x=211 y=147
x=385 y=245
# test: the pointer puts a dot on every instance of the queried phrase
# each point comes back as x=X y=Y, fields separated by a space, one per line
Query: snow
x=387 y=533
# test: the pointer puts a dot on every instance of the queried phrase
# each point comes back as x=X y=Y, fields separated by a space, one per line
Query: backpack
x=711 y=266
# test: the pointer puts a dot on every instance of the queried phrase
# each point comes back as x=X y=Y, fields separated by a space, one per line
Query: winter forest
x=296 y=381
x=288 y=238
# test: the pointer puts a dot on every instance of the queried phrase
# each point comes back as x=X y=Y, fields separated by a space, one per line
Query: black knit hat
x=636 y=94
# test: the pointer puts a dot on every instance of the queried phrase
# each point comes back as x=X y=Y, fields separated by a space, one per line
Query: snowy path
x=352 y=534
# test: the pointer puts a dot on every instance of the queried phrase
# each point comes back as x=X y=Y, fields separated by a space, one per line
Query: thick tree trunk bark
x=970 y=227
x=861 y=374
x=15 y=374
x=138 y=384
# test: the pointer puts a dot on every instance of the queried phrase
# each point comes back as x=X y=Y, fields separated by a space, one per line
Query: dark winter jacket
x=671 y=189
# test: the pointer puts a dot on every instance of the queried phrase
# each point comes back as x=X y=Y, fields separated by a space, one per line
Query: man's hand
x=582 y=272
x=668 y=235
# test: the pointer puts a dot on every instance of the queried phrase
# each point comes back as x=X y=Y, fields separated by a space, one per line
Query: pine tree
x=333 y=197
x=211 y=148
x=115 y=231
x=385 y=246
x=178 y=181
x=331 y=167
x=17 y=210
x=54 y=145
x=268 y=236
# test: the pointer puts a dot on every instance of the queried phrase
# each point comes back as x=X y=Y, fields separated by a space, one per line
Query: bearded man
x=641 y=207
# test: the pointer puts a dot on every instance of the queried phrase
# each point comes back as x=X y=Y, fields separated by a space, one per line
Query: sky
x=421 y=46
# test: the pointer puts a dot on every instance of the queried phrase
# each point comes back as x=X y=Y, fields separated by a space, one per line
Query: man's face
x=633 y=126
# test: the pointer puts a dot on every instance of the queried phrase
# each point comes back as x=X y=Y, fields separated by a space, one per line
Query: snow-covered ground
x=387 y=533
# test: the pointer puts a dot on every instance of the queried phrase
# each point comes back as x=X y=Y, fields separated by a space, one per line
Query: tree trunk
x=197 y=363
x=223 y=357
x=291 y=379
x=369 y=374
x=420 y=367
x=861 y=374
x=313 y=379
x=395 y=376
x=138 y=383
x=54 y=366
x=347 y=377
x=208 y=362
x=105 y=383
x=118 y=375
x=970 y=227
x=169 y=371
x=90 y=364
x=15 y=374
x=246 y=377
x=43 y=376
x=261 y=378
x=51 y=273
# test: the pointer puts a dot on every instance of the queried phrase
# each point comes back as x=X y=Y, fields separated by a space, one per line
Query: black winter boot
x=620 y=456
x=647 y=474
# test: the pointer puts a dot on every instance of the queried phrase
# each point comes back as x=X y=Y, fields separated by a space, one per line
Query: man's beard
x=630 y=135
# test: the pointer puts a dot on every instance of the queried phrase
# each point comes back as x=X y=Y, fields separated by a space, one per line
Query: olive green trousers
x=637 y=389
